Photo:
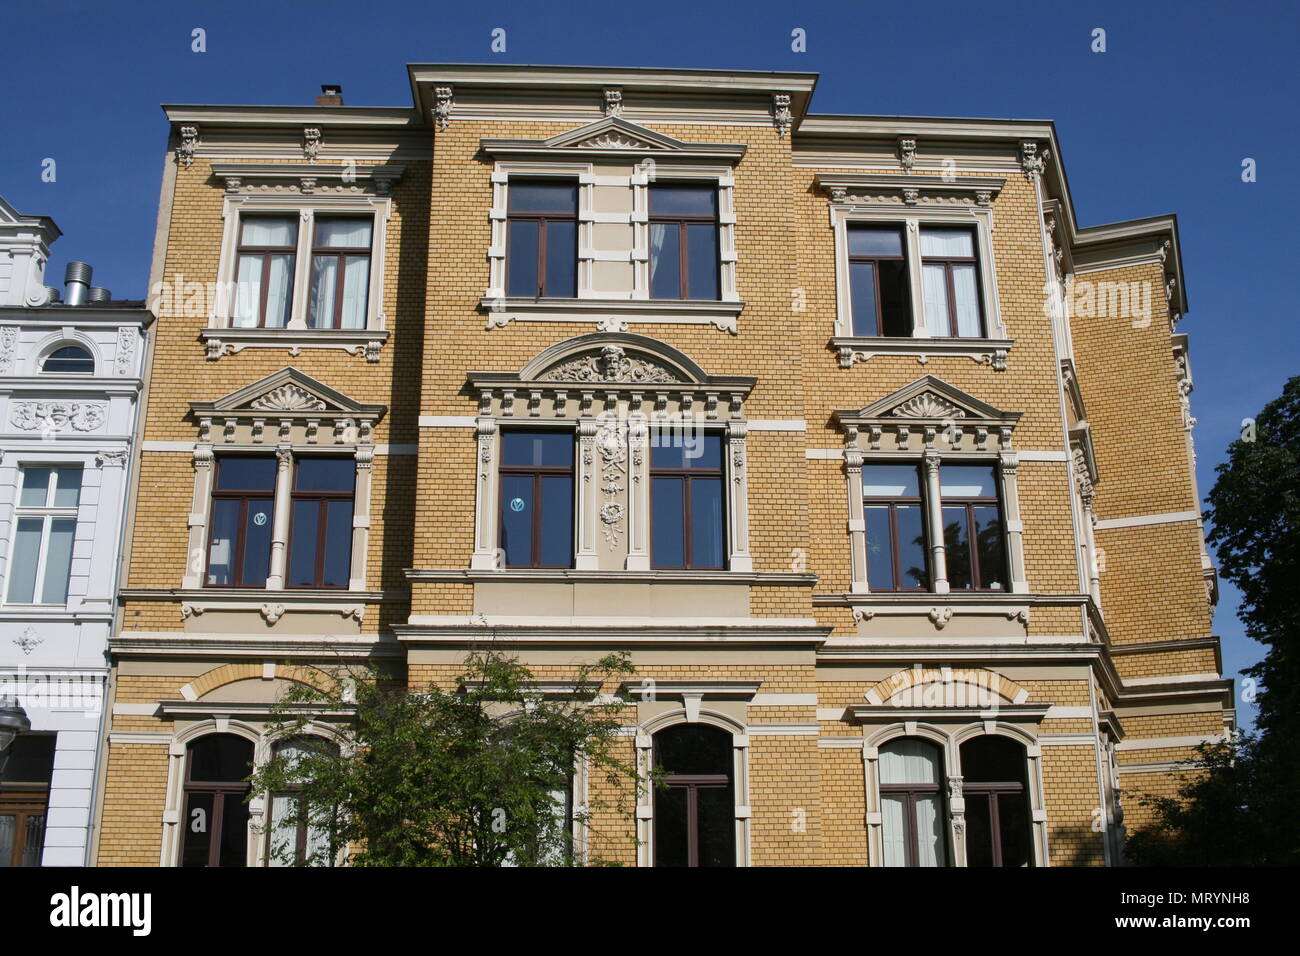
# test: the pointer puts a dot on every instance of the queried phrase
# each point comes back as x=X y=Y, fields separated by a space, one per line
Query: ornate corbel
x=1032 y=161
x=311 y=143
x=189 y=142
x=782 y=118
x=613 y=101
x=907 y=152
x=442 y=104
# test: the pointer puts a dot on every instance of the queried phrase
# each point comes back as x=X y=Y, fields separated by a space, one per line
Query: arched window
x=911 y=803
x=68 y=358
x=998 y=828
x=216 y=817
x=293 y=839
x=695 y=816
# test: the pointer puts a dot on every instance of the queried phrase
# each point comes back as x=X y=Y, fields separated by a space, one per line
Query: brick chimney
x=331 y=94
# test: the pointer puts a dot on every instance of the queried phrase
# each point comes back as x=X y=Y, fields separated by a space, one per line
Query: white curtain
x=343 y=233
x=248 y=295
x=909 y=760
x=658 y=235
x=284 y=830
x=355 y=282
x=929 y=835
x=893 y=814
x=934 y=287
x=966 y=291
x=268 y=232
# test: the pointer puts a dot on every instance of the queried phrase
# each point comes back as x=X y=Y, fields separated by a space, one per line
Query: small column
x=365 y=456
x=638 y=495
x=934 y=530
x=1007 y=462
x=957 y=813
x=857 y=523
x=485 y=494
x=738 y=466
x=586 y=504
x=280 y=521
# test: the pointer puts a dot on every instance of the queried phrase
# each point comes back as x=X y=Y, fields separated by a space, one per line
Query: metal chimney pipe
x=76 y=279
x=97 y=294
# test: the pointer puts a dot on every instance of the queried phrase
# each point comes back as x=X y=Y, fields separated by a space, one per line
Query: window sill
x=859 y=348
x=613 y=315
x=228 y=341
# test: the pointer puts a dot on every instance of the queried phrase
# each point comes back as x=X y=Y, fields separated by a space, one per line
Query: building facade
x=70 y=383
x=875 y=460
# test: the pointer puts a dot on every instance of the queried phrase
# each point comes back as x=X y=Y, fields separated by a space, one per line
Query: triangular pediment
x=613 y=132
x=286 y=393
x=928 y=399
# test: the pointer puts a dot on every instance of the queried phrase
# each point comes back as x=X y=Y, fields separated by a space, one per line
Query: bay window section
x=911 y=803
x=45 y=530
x=895 y=528
x=542 y=240
x=688 y=516
x=879 y=283
x=340 y=282
x=239 y=548
x=684 y=245
x=536 y=504
x=320 y=540
x=972 y=528
x=950 y=283
x=264 y=271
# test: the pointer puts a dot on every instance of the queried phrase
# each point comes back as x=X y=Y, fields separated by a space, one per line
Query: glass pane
x=257 y=543
x=934 y=286
x=70 y=358
x=561 y=259
x=683 y=200
x=338 y=544
x=893 y=814
x=23 y=566
x=890 y=481
x=947 y=243
x=36 y=487
x=220 y=758
x=667 y=531
x=875 y=241
x=67 y=487
x=517 y=519
x=280 y=291
x=245 y=474
x=685 y=449
x=58 y=560
x=979 y=829
x=221 y=541
x=283 y=838
x=707 y=525
x=862 y=293
x=324 y=282
x=702 y=261
x=694 y=749
x=930 y=825
x=895 y=299
x=8 y=838
x=670 y=827
x=325 y=474
x=665 y=261
x=265 y=231
x=343 y=233
x=911 y=547
x=1014 y=829
x=991 y=758
x=956 y=542
x=716 y=812
x=34 y=839
x=356 y=292
x=521 y=257
x=198 y=829
x=234 y=830
x=560 y=197
x=966 y=290
x=537 y=449
x=302 y=543
x=967 y=481
x=880 y=549
x=31 y=759
x=989 y=549
x=248 y=296
x=557 y=521
x=909 y=760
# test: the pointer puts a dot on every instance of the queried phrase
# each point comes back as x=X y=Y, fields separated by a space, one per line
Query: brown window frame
x=688 y=536
x=243 y=495
x=948 y=262
x=683 y=254
x=26 y=802
x=536 y=472
x=301 y=823
x=992 y=792
x=892 y=501
x=323 y=498
x=873 y=261
x=340 y=253
x=968 y=504
x=218 y=789
x=542 y=218
x=912 y=791
x=266 y=252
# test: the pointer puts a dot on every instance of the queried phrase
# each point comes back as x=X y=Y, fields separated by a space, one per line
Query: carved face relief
x=610 y=364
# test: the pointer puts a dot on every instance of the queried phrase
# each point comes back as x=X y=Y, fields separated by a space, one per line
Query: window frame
x=218 y=789
x=59 y=347
x=266 y=253
x=543 y=219
x=873 y=261
x=968 y=503
x=536 y=472
x=242 y=495
x=686 y=475
x=692 y=783
x=48 y=513
x=340 y=254
x=912 y=791
x=323 y=498
x=302 y=825
x=950 y=289
x=892 y=501
x=683 y=221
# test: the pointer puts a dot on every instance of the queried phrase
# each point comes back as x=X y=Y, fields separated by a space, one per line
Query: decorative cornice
x=312 y=178
x=910 y=189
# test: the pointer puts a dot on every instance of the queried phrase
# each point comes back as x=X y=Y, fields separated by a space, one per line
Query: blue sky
x=1158 y=123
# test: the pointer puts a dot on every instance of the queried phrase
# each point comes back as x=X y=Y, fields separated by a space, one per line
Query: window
x=537 y=499
x=878 y=281
x=340 y=277
x=542 y=240
x=896 y=549
x=239 y=549
x=216 y=816
x=45 y=530
x=695 y=810
x=69 y=359
x=264 y=273
x=998 y=827
x=320 y=538
x=950 y=282
x=292 y=839
x=972 y=528
x=911 y=803
x=684 y=254
x=688 y=523
x=26 y=768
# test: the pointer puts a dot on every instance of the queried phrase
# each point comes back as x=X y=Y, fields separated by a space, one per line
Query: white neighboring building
x=70 y=385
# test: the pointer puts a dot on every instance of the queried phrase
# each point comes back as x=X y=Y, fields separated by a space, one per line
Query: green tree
x=1238 y=808
x=476 y=776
